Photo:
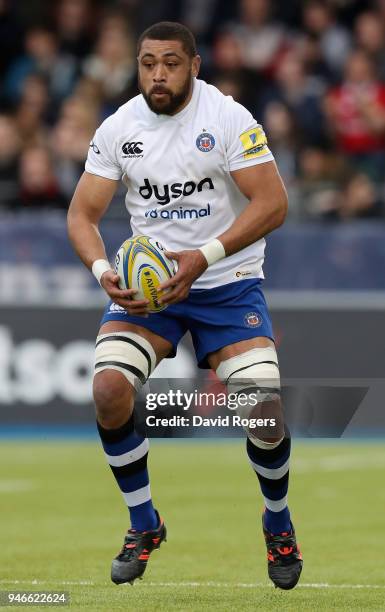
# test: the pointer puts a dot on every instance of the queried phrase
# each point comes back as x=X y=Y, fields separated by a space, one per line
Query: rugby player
x=201 y=180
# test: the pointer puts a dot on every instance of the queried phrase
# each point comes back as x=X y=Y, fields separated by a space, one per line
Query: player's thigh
x=237 y=348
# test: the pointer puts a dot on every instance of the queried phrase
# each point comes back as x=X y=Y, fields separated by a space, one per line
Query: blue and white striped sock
x=272 y=469
x=126 y=453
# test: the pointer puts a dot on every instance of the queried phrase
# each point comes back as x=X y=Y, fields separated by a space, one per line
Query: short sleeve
x=246 y=142
x=101 y=159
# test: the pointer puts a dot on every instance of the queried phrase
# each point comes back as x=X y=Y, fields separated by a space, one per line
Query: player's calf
x=124 y=361
x=255 y=375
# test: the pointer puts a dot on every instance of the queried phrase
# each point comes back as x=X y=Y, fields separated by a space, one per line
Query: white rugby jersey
x=177 y=173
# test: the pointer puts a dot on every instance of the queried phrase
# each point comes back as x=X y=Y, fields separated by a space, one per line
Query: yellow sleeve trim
x=254 y=143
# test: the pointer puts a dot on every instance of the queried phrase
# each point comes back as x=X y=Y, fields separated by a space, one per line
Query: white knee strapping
x=257 y=364
x=127 y=353
x=255 y=369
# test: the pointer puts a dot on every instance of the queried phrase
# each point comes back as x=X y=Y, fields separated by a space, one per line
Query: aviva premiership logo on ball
x=141 y=264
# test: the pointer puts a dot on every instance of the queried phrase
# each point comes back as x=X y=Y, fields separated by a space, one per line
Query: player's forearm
x=85 y=238
x=256 y=221
x=89 y=203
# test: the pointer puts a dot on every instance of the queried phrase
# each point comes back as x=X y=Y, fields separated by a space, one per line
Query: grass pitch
x=63 y=519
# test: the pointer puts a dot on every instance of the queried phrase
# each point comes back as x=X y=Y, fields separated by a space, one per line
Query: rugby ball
x=141 y=264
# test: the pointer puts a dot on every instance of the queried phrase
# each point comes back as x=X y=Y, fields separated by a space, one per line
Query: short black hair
x=170 y=30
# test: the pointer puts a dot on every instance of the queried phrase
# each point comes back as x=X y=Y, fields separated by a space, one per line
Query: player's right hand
x=125 y=298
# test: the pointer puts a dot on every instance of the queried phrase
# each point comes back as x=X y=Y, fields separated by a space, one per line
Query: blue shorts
x=215 y=318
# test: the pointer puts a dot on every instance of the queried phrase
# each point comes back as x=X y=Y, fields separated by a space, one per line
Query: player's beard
x=172 y=102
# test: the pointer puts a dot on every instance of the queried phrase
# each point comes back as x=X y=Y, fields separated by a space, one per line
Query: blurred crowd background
x=312 y=72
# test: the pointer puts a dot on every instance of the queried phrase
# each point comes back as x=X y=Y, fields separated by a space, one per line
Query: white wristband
x=99 y=267
x=213 y=251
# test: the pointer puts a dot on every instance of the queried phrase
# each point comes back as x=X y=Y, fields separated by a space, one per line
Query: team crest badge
x=253 y=319
x=205 y=142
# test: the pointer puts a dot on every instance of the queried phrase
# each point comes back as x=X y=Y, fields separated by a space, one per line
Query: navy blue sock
x=126 y=453
x=277 y=522
x=272 y=469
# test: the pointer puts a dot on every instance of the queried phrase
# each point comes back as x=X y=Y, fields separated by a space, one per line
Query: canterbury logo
x=132 y=148
x=94 y=148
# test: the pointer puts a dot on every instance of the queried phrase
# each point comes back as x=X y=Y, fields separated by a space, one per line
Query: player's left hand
x=191 y=264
